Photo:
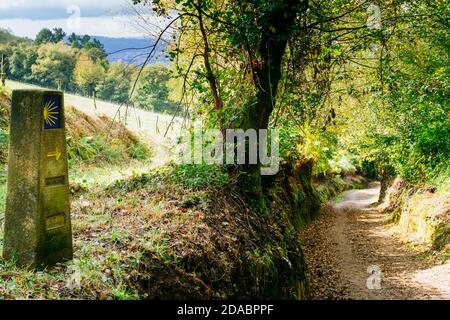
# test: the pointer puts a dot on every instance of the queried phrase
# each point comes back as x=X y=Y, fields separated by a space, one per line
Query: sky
x=112 y=18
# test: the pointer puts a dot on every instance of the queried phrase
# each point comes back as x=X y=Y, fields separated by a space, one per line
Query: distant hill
x=132 y=56
x=128 y=50
x=7 y=37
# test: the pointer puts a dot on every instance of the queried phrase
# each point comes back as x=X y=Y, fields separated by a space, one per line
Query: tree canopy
x=353 y=79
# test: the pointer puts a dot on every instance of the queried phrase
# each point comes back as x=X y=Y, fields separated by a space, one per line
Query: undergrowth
x=169 y=233
x=90 y=140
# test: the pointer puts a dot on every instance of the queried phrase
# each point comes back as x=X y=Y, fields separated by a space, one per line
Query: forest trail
x=351 y=236
x=148 y=125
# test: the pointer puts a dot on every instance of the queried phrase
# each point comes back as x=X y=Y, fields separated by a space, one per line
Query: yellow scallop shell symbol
x=50 y=113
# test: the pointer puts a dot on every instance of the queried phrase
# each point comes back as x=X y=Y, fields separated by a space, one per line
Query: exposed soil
x=351 y=236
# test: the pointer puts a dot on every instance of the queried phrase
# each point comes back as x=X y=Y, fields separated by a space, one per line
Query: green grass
x=98 y=149
x=101 y=265
x=199 y=175
x=2 y=205
x=98 y=271
x=101 y=176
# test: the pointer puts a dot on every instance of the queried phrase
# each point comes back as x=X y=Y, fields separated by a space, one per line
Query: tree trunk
x=277 y=27
x=277 y=30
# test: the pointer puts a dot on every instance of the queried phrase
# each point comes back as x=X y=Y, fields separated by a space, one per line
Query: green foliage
x=87 y=74
x=53 y=62
x=187 y=176
x=410 y=131
x=84 y=41
x=441 y=237
x=319 y=146
x=82 y=67
x=83 y=149
x=116 y=84
x=199 y=175
x=99 y=149
x=138 y=151
x=4 y=138
x=48 y=60
x=7 y=37
x=152 y=92
x=263 y=266
x=46 y=35
x=349 y=93
x=21 y=60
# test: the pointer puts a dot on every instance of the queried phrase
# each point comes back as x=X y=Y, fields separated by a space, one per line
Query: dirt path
x=351 y=239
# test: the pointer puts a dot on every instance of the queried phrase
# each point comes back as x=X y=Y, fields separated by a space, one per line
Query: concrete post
x=3 y=71
x=37 y=218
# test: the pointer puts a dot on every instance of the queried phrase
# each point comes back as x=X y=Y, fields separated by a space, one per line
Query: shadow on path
x=352 y=238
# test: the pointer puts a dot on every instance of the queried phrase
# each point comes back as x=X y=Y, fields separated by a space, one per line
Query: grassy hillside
x=98 y=149
x=8 y=37
x=90 y=140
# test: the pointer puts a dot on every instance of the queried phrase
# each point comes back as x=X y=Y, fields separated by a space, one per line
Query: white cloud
x=27 y=4
x=112 y=18
x=108 y=26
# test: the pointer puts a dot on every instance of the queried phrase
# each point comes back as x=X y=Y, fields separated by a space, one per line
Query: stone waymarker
x=3 y=71
x=37 y=220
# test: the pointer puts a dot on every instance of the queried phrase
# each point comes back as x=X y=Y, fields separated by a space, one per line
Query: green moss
x=441 y=237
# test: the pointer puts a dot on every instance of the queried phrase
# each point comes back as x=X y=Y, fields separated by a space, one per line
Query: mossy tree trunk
x=276 y=27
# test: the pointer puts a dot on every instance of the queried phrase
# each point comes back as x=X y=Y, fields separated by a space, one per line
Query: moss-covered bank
x=421 y=213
